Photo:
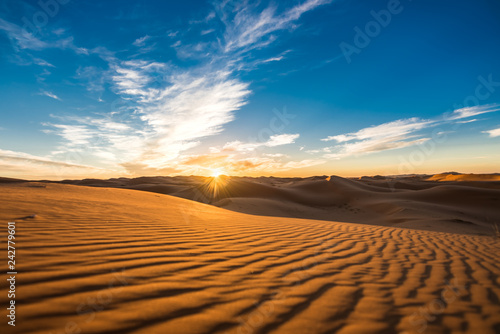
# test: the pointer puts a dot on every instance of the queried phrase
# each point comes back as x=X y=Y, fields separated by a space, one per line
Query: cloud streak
x=274 y=140
x=51 y=95
x=24 y=165
x=473 y=111
x=387 y=136
x=246 y=30
x=493 y=133
x=396 y=134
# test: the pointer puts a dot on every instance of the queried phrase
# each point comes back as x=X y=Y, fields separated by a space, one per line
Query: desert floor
x=107 y=260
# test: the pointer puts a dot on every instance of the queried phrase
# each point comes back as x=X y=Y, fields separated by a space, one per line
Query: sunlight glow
x=216 y=172
x=215 y=187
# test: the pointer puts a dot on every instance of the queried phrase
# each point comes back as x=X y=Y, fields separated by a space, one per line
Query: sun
x=216 y=172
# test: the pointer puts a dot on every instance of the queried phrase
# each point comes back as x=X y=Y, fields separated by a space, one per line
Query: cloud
x=255 y=165
x=473 y=111
x=42 y=62
x=93 y=79
x=190 y=109
x=493 y=133
x=274 y=140
x=172 y=34
x=75 y=135
x=165 y=121
x=6 y=155
x=20 y=37
x=275 y=155
x=395 y=135
x=133 y=77
x=27 y=59
x=141 y=41
x=372 y=146
x=49 y=94
x=386 y=136
x=24 y=165
x=391 y=129
x=246 y=29
x=68 y=43
x=282 y=139
x=468 y=121
x=114 y=137
x=170 y=110
x=273 y=59
x=207 y=31
x=24 y=40
x=302 y=164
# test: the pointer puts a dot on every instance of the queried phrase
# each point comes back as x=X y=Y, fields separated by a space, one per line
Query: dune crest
x=404 y=201
x=464 y=177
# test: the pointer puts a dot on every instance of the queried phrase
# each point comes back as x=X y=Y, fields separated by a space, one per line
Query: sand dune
x=409 y=201
x=464 y=177
x=103 y=260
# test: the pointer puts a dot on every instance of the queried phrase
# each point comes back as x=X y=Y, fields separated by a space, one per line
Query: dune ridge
x=406 y=201
x=103 y=260
x=464 y=177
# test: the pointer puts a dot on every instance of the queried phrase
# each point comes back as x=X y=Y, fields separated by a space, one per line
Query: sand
x=464 y=177
x=465 y=205
x=104 y=260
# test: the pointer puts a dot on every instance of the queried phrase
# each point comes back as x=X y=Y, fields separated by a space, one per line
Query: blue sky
x=295 y=88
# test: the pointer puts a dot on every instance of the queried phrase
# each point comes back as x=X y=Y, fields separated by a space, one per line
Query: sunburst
x=214 y=187
x=217 y=172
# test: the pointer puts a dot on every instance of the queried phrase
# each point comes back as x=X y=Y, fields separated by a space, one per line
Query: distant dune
x=104 y=260
x=464 y=177
x=415 y=201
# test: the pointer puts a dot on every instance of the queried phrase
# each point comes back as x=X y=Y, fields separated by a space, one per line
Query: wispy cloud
x=50 y=94
x=141 y=41
x=274 y=140
x=21 y=38
x=387 y=130
x=473 y=111
x=75 y=135
x=387 y=136
x=7 y=155
x=24 y=165
x=246 y=30
x=92 y=78
x=493 y=133
x=133 y=77
x=24 y=40
x=172 y=34
x=373 y=145
x=206 y=32
x=394 y=135
x=468 y=121
x=41 y=62
x=273 y=59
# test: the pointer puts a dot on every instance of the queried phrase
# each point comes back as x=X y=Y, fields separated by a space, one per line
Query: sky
x=119 y=88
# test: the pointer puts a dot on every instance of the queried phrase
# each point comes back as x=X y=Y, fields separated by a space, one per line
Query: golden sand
x=101 y=260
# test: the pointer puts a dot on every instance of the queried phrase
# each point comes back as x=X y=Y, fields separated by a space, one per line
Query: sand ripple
x=99 y=260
